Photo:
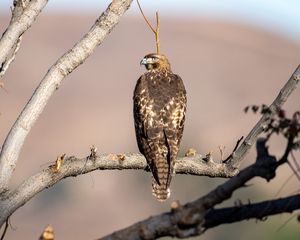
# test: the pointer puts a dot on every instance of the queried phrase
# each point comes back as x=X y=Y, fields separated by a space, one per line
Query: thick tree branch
x=196 y=165
x=190 y=219
x=213 y=218
x=72 y=167
x=216 y=217
x=24 y=14
x=284 y=93
x=51 y=81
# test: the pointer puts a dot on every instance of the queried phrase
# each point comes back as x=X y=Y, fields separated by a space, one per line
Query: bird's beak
x=144 y=61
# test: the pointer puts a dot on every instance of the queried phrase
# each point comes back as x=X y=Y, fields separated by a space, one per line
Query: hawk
x=159 y=114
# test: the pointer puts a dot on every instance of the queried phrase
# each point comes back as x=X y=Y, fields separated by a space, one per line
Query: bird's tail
x=161 y=190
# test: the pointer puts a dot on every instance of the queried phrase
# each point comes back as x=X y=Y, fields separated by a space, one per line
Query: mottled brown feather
x=159 y=114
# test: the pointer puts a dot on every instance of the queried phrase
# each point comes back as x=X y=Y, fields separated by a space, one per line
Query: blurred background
x=229 y=53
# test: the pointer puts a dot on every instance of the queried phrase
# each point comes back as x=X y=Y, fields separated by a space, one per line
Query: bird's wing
x=174 y=117
x=146 y=127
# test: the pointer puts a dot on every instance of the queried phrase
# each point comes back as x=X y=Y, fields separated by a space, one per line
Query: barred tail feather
x=160 y=188
x=161 y=192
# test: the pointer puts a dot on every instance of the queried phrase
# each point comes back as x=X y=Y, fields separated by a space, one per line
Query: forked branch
x=51 y=81
x=74 y=166
x=154 y=30
x=193 y=218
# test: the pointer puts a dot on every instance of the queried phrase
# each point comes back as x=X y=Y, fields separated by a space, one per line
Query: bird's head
x=154 y=61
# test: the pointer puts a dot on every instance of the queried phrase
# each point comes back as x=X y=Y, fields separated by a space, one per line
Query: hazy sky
x=282 y=16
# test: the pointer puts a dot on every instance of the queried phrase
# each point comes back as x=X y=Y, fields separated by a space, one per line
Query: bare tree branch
x=167 y=224
x=193 y=218
x=51 y=81
x=185 y=221
x=284 y=93
x=216 y=217
x=24 y=14
x=72 y=167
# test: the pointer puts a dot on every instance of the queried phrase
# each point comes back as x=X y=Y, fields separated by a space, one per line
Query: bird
x=159 y=114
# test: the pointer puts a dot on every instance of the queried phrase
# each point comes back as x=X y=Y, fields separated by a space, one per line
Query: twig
x=295 y=161
x=286 y=222
x=284 y=184
x=235 y=148
x=51 y=81
x=222 y=151
x=157 y=33
x=288 y=150
x=145 y=18
x=293 y=170
x=5 y=229
x=156 y=30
